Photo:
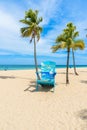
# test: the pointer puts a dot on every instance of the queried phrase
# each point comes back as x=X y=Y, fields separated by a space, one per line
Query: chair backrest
x=48 y=69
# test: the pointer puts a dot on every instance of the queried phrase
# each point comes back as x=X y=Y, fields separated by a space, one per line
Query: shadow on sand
x=83 y=114
x=64 y=73
x=14 y=77
x=6 y=77
x=84 y=81
x=32 y=88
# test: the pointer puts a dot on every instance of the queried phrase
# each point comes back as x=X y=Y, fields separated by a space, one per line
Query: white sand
x=65 y=109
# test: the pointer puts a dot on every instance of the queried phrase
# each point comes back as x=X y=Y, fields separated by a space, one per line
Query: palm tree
x=63 y=41
x=77 y=44
x=32 y=30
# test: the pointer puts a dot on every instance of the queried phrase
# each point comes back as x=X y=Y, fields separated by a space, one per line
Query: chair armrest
x=48 y=75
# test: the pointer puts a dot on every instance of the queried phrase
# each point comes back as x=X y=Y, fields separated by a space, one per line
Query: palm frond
x=39 y=29
x=26 y=22
x=63 y=45
x=26 y=32
x=28 y=14
x=31 y=15
x=70 y=24
x=75 y=34
x=39 y=20
x=24 y=29
x=38 y=36
x=56 y=47
x=60 y=38
x=79 y=44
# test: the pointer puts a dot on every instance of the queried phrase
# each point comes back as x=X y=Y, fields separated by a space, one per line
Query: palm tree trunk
x=35 y=59
x=67 y=67
x=74 y=63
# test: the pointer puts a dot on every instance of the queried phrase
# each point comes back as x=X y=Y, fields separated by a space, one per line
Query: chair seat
x=46 y=81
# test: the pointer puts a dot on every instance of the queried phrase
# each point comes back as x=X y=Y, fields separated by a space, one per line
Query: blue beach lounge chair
x=47 y=75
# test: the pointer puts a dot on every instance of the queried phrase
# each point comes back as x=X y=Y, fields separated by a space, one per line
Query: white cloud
x=8 y=22
x=10 y=36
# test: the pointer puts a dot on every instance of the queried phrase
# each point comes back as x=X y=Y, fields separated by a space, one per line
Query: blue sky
x=56 y=14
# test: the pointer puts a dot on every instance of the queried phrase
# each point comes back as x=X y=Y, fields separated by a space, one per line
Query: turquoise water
x=16 y=67
x=25 y=67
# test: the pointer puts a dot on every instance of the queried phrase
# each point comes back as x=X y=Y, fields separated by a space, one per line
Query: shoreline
x=77 y=68
x=29 y=67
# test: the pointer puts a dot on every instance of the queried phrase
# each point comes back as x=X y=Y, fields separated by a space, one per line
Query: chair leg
x=54 y=87
x=36 y=87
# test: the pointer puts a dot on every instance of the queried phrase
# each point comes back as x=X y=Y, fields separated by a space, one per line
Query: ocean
x=26 y=67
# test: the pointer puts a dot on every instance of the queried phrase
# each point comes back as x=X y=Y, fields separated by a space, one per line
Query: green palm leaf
x=26 y=21
x=23 y=29
x=75 y=34
x=56 y=47
x=79 y=44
